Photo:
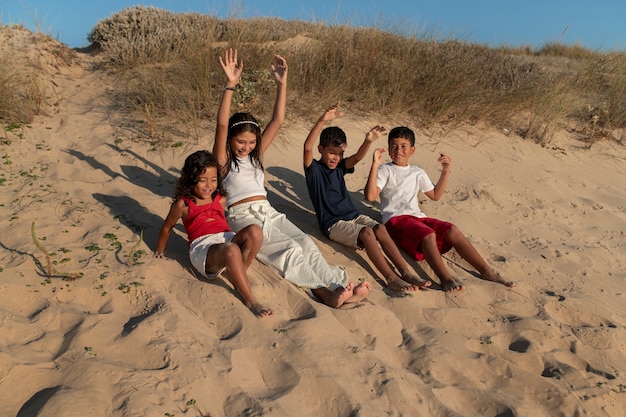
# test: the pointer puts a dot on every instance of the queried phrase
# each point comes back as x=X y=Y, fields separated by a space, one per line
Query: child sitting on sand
x=421 y=237
x=199 y=202
x=337 y=217
x=239 y=146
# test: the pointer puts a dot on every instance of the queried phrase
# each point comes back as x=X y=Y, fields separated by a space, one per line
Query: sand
x=116 y=332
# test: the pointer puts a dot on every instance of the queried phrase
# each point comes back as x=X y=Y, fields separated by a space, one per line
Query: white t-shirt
x=399 y=187
x=248 y=181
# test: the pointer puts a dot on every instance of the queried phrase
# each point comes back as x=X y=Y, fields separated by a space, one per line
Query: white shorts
x=347 y=231
x=199 y=249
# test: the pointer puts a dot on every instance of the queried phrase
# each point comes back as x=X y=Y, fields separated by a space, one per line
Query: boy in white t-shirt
x=421 y=237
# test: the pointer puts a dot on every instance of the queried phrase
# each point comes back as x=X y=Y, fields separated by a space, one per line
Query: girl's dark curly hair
x=237 y=124
x=196 y=164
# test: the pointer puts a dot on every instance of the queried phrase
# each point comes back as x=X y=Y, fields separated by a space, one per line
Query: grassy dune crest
x=167 y=65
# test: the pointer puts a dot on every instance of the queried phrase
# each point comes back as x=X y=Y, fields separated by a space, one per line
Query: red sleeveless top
x=207 y=219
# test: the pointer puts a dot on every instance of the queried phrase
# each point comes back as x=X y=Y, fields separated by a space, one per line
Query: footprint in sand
x=134 y=321
x=42 y=332
x=520 y=345
x=300 y=307
x=574 y=313
x=240 y=404
x=218 y=309
x=472 y=402
x=552 y=371
x=261 y=376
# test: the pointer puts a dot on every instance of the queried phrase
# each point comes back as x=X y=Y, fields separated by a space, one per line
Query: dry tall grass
x=168 y=69
x=23 y=93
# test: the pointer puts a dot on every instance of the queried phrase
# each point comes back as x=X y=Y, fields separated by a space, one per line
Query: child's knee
x=256 y=232
x=231 y=250
x=380 y=231
x=366 y=234
x=430 y=239
x=253 y=232
x=454 y=233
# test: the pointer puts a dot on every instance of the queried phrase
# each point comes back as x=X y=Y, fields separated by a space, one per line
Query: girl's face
x=400 y=150
x=243 y=144
x=207 y=184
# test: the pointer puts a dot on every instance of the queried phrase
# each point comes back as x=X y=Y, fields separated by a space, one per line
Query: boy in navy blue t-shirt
x=336 y=215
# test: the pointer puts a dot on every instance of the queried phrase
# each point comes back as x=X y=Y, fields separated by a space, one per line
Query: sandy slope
x=150 y=339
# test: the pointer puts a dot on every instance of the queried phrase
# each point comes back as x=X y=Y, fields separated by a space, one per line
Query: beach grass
x=168 y=69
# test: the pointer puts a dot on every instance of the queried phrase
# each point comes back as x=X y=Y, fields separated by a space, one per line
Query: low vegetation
x=23 y=91
x=168 y=69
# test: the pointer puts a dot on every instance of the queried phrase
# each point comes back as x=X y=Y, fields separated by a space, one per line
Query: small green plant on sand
x=90 y=351
x=93 y=247
x=112 y=237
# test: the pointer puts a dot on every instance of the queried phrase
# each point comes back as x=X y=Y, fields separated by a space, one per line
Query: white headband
x=243 y=122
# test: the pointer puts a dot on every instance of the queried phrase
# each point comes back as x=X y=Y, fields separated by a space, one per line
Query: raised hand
x=279 y=69
x=444 y=160
x=332 y=113
x=377 y=156
x=231 y=68
x=375 y=133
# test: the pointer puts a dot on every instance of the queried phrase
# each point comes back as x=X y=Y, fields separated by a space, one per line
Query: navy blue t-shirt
x=329 y=195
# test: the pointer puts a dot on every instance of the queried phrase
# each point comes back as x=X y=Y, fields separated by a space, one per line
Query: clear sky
x=599 y=24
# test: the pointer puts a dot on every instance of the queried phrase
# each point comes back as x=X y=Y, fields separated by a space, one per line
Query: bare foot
x=260 y=311
x=452 y=285
x=360 y=292
x=415 y=280
x=340 y=295
x=497 y=278
x=400 y=285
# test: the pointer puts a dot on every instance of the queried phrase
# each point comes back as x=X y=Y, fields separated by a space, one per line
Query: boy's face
x=331 y=155
x=400 y=150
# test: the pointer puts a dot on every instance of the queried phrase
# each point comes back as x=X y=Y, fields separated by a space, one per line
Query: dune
x=113 y=331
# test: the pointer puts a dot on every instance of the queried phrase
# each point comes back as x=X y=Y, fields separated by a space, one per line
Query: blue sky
x=597 y=24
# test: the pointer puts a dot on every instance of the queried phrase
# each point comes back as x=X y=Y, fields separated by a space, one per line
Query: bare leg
x=229 y=255
x=368 y=240
x=434 y=259
x=391 y=250
x=249 y=239
x=468 y=252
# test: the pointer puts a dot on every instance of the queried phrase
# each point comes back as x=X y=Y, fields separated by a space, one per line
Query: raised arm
x=331 y=114
x=375 y=133
x=279 y=69
x=371 y=189
x=233 y=70
x=436 y=193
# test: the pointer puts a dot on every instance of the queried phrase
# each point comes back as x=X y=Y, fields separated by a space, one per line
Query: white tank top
x=245 y=182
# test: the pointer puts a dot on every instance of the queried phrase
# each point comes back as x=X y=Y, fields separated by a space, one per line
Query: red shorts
x=409 y=231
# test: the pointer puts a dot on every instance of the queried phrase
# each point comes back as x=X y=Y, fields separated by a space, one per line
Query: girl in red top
x=213 y=247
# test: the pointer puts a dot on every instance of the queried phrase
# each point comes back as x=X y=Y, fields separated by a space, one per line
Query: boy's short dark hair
x=332 y=136
x=401 y=132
